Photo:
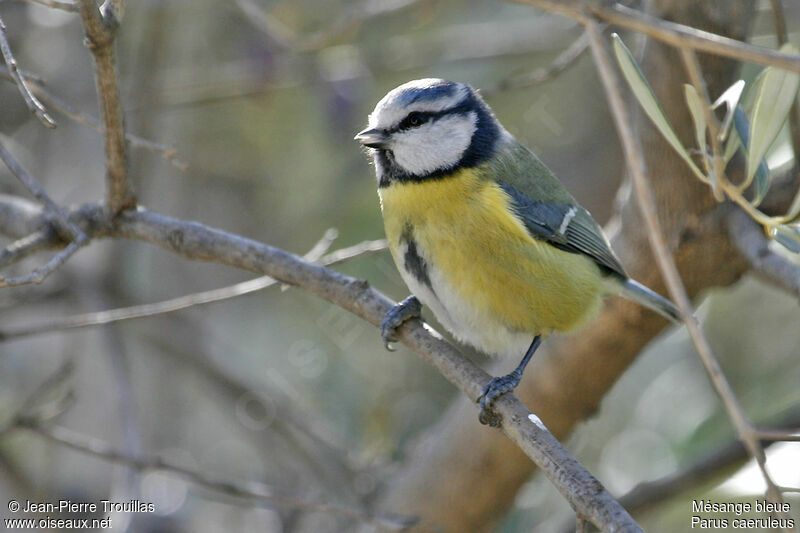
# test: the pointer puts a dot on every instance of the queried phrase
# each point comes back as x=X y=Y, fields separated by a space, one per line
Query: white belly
x=467 y=324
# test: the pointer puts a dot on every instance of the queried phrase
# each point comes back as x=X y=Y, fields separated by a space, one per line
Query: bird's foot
x=396 y=317
x=496 y=388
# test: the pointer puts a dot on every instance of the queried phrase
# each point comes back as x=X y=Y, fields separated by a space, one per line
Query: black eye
x=414 y=119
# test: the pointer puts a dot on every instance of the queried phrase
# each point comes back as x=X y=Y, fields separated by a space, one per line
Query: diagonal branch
x=100 y=318
x=31 y=101
x=170 y=153
x=255 y=492
x=666 y=264
x=22 y=248
x=749 y=238
x=100 y=40
x=66 y=227
x=196 y=241
x=562 y=62
x=55 y=4
x=672 y=33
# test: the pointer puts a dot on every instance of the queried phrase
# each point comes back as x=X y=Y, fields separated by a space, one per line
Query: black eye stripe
x=410 y=121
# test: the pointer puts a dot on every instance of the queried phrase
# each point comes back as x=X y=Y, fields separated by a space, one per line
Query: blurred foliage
x=267 y=132
x=753 y=129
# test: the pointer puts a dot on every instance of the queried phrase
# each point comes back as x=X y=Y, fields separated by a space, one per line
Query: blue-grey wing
x=568 y=227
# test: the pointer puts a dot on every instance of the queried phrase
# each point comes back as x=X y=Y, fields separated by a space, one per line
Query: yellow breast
x=481 y=256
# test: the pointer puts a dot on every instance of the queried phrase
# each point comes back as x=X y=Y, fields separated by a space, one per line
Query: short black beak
x=374 y=138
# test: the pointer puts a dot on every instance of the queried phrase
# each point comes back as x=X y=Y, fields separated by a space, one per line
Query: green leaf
x=750 y=96
x=788 y=236
x=762 y=175
x=647 y=99
x=731 y=145
x=695 y=105
x=772 y=103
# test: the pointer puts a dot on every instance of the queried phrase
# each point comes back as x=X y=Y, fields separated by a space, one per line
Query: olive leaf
x=762 y=176
x=695 y=105
x=773 y=100
x=647 y=99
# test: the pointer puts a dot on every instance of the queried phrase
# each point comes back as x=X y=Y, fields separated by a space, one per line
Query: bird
x=482 y=232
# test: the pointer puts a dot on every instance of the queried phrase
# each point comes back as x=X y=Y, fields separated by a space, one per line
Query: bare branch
x=170 y=153
x=348 y=20
x=702 y=472
x=256 y=492
x=55 y=4
x=749 y=238
x=783 y=435
x=717 y=171
x=184 y=302
x=196 y=241
x=644 y=195
x=713 y=465
x=671 y=33
x=39 y=274
x=33 y=104
x=25 y=246
x=64 y=225
x=324 y=453
x=39 y=193
x=565 y=60
x=100 y=40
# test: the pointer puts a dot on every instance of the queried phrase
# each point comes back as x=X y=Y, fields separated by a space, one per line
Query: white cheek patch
x=435 y=145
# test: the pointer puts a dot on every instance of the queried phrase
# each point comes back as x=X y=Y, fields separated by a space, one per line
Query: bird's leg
x=503 y=384
x=396 y=316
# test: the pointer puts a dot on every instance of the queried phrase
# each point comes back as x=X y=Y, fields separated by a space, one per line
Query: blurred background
x=261 y=101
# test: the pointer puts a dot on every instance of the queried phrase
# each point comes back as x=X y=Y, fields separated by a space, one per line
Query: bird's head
x=428 y=128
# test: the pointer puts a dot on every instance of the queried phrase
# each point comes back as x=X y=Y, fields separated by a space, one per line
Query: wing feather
x=567 y=226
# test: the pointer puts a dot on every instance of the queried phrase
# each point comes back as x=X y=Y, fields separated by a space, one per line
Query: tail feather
x=633 y=290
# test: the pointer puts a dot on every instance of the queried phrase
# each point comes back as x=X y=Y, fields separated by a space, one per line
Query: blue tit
x=482 y=232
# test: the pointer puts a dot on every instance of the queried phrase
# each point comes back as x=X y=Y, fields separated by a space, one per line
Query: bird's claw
x=396 y=317
x=496 y=388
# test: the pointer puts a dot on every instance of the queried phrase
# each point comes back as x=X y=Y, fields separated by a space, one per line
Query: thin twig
x=47 y=401
x=672 y=33
x=562 y=62
x=125 y=480
x=25 y=246
x=644 y=195
x=100 y=40
x=39 y=274
x=703 y=471
x=328 y=458
x=783 y=435
x=256 y=492
x=55 y=4
x=753 y=244
x=349 y=19
x=170 y=153
x=178 y=304
x=64 y=225
x=72 y=230
x=198 y=242
x=31 y=101
x=717 y=171
x=783 y=38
